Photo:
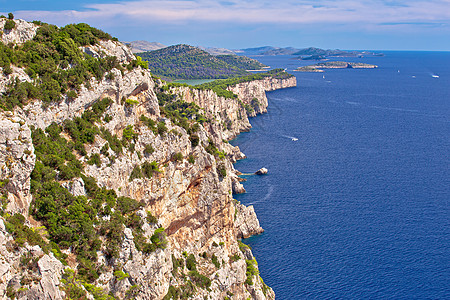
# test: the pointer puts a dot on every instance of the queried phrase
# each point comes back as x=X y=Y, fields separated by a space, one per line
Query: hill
x=188 y=62
x=217 y=51
x=143 y=46
x=242 y=62
x=305 y=52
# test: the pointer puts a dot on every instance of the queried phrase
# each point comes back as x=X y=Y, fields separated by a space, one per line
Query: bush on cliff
x=78 y=222
x=54 y=61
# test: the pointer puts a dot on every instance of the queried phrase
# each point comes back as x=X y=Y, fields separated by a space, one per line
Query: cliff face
x=190 y=195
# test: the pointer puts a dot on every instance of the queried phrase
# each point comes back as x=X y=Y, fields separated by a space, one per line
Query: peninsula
x=335 y=65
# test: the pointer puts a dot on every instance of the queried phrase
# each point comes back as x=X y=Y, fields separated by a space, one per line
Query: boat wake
x=266 y=196
x=293 y=138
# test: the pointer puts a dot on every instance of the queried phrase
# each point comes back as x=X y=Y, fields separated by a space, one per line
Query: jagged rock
x=17 y=160
x=75 y=187
x=262 y=171
x=50 y=269
x=110 y=48
x=18 y=73
x=238 y=188
x=246 y=222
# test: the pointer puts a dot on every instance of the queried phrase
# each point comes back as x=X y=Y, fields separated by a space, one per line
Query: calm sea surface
x=359 y=206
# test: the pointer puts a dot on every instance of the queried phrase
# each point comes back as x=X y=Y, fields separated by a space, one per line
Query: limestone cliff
x=195 y=221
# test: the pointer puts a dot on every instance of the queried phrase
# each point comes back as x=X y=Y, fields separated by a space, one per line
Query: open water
x=359 y=206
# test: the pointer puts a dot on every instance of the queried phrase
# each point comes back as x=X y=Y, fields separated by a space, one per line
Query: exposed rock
x=17 y=160
x=246 y=222
x=106 y=48
x=262 y=171
x=50 y=269
x=75 y=187
x=238 y=188
x=22 y=32
x=18 y=73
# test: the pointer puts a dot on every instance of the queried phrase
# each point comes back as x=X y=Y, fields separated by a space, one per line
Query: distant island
x=335 y=65
x=305 y=53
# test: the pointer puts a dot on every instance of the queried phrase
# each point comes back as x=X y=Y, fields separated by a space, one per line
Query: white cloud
x=347 y=12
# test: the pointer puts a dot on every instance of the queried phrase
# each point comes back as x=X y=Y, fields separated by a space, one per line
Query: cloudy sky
x=344 y=24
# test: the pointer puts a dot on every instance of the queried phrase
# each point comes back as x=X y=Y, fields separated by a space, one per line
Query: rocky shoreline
x=335 y=65
x=190 y=196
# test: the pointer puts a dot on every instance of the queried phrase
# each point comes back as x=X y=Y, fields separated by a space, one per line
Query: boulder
x=262 y=171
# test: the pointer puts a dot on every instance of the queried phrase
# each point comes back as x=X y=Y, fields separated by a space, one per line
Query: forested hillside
x=188 y=62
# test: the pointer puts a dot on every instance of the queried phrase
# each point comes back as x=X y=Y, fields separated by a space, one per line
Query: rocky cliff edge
x=186 y=210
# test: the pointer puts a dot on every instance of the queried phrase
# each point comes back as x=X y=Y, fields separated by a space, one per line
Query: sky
x=330 y=24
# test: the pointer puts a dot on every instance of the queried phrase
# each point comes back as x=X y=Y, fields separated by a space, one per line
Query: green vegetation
x=191 y=262
x=234 y=257
x=148 y=149
x=131 y=102
x=121 y=275
x=220 y=86
x=221 y=170
x=215 y=261
x=252 y=270
x=181 y=113
x=78 y=222
x=178 y=157
x=54 y=61
x=187 y=62
x=9 y=24
x=146 y=170
x=22 y=233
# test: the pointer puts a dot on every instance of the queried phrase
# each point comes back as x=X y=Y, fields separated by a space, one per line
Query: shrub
x=149 y=168
x=10 y=16
x=199 y=279
x=95 y=160
x=128 y=133
x=149 y=123
x=127 y=205
x=178 y=157
x=161 y=128
x=215 y=261
x=121 y=275
x=9 y=24
x=131 y=102
x=148 y=149
x=251 y=271
x=71 y=95
x=235 y=257
x=136 y=173
x=151 y=219
x=194 y=140
x=191 y=159
x=191 y=263
x=221 y=170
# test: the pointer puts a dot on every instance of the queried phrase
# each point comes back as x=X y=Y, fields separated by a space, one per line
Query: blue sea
x=359 y=206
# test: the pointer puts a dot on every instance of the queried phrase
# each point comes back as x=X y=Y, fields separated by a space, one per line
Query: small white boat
x=294 y=139
x=435 y=76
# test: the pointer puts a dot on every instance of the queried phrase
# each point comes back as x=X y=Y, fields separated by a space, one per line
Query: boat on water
x=435 y=76
x=294 y=139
